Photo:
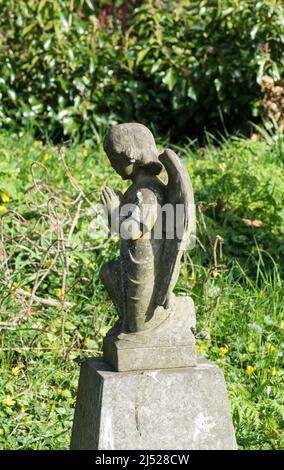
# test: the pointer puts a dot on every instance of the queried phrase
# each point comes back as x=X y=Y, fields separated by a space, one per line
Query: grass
x=236 y=281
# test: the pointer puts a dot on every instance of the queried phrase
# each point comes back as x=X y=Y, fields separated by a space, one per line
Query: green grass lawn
x=49 y=249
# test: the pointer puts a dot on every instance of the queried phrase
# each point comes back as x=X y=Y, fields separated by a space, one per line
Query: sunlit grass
x=238 y=290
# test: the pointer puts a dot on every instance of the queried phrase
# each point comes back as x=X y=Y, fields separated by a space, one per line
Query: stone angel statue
x=155 y=220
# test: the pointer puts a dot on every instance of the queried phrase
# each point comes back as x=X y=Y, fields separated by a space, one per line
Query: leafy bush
x=182 y=65
x=211 y=56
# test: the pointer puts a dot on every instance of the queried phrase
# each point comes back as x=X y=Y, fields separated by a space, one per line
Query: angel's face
x=125 y=169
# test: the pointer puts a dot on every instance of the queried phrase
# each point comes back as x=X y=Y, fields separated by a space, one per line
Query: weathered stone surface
x=169 y=344
x=181 y=409
x=155 y=219
x=162 y=397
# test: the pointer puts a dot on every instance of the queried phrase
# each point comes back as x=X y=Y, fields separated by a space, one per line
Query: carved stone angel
x=155 y=220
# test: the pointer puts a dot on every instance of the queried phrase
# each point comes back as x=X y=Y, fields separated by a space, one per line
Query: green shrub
x=182 y=65
x=210 y=56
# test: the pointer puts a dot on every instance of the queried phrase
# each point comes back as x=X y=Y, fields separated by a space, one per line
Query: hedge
x=70 y=67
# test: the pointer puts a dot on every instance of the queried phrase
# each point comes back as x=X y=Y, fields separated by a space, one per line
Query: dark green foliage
x=210 y=55
x=76 y=65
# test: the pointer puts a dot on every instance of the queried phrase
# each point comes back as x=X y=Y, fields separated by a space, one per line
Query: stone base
x=126 y=356
x=169 y=344
x=167 y=409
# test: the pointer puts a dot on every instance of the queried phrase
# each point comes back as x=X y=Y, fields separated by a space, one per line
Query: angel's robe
x=141 y=249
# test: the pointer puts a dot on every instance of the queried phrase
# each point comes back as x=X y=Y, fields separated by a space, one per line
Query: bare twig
x=40 y=300
x=214 y=307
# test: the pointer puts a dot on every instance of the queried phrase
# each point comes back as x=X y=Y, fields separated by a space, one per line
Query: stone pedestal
x=169 y=344
x=164 y=409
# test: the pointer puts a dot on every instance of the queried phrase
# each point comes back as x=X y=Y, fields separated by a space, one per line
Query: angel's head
x=131 y=147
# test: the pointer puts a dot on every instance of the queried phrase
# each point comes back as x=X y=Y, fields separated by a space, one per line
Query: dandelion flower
x=58 y=292
x=3 y=209
x=5 y=197
x=223 y=350
x=250 y=370
x=273 y=371
x=201 y=347
x=271 y=348
x=9 y=401
x=16 y=371
x=46 y=157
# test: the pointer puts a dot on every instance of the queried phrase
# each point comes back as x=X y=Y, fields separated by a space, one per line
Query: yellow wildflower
x=201 y=347
x=9 y=401
x=250 y=370
x=5 y=197
x=59 y=391
x=260 y=294
x=193 y=276
x=46 y=157
x=16 y=371
x=86 y=342
x=58 y=292
x=3 y=209
x=271 y=348
x=22 y=410
x=223 y=350
x=27 y=419
x=215 y=273
x=38 y=143
x=222 y=166
x=273 y=371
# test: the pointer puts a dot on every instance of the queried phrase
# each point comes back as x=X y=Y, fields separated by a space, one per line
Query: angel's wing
x=179 y=194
